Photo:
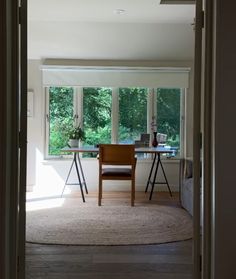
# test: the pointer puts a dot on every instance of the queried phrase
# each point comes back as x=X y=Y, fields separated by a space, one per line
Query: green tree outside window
x=60 y=117
x=168 y=115
x=132 y=113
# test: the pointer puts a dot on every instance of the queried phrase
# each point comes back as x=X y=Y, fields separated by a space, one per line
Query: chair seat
x=116 y=172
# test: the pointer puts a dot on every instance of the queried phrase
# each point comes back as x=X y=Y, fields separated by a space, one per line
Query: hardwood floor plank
x=123 y=258
x=181 y=247
x=113 y=268
x=163 y=261
x=109 y=276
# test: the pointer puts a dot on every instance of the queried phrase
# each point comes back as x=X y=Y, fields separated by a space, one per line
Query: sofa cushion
x=187 y=195
x=188 y=169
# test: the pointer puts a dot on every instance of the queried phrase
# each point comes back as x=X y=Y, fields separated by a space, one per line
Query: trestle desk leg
x=150 y=174
x=80 y=182
x=154 y=178
x=165 y=178
x=82 y=173
x=68 y=175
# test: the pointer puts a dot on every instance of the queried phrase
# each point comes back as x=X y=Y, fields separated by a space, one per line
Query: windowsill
x=46 y=161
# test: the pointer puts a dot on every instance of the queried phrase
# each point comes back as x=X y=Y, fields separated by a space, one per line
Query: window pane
x=97 y=103
x=168 y=115
x=132 y=114
x=60 y=116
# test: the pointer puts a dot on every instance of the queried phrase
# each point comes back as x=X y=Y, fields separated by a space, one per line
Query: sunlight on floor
x=44 y=203
x=49 y=186
x=47 y=194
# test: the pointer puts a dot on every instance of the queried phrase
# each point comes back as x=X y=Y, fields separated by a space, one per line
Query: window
x=132 y=114
x=112 y=115
x=97 y=121
x=59 y=116
x=169 y=115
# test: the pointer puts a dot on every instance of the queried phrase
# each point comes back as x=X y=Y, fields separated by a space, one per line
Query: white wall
x=56 y=172
x=40 y=171
x=35 y=124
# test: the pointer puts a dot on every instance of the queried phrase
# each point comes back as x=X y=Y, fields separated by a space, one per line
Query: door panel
x=23 y=135
x=197 y=138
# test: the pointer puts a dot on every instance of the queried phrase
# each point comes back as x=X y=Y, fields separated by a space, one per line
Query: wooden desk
x=156 y=162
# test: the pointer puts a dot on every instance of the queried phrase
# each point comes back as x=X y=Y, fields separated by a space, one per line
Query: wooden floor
x=163 y=261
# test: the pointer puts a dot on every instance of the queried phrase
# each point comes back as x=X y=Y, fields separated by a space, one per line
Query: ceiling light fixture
x=119 y=11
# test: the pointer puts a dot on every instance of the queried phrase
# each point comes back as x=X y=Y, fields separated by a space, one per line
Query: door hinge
x=20 y=15
x=18 y=264
x=202 y=19
x=22 y=141
x=200 y=263
x=200 y=140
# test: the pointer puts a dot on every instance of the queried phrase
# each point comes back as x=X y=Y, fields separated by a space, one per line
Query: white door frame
x=196 y=137
x=11 y=150
x=23 y=137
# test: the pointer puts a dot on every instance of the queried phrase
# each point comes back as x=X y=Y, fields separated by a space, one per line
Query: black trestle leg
x=82 y=173
x=150 y=174
x=68 y=176
x=154 y=178
x=166 y=178
x=80 y=182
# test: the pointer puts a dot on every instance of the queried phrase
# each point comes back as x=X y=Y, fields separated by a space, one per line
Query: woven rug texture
x=114 y=223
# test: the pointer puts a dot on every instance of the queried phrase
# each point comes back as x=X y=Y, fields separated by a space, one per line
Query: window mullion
x=150 y=108
x=47 y=122
x=155 y=112
x=182 y=123
x=78 y=105
x=115 y=115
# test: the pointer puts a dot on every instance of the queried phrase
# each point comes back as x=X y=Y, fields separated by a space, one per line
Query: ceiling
x=110 y=29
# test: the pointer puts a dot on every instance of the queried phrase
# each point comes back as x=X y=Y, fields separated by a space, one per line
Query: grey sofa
x=186 y=184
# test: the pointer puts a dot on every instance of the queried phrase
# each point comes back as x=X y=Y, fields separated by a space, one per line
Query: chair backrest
x=116 y=154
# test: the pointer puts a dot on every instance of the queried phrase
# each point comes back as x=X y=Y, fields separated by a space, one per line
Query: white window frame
x=151 y=111
x=115 y=115
x=77 y=109
x=183 y=122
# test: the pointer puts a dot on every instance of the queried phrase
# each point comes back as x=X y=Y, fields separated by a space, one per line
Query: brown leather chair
x=116 y=162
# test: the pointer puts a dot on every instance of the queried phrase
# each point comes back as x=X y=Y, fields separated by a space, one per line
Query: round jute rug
x=76 y=223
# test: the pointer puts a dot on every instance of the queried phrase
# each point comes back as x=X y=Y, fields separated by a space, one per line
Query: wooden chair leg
x=134 y=189
x=132 y=192
x=100 y=192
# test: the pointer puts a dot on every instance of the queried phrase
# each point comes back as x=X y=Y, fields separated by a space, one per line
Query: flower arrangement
x=76 y=133
x=153 y=124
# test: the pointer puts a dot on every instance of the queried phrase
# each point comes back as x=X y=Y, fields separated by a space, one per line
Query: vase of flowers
x=75 y=135
x=154 y=130
x=153 y=124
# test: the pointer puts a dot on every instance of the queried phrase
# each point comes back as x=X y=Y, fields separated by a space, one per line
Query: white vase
x=73 y=143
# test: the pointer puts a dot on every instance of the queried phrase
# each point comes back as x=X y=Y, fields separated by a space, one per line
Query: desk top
x=91 y=149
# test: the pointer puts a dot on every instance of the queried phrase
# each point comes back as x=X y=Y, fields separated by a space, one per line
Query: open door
x=197 y=128
x=23 y=136
x=208 y=135
x=13 y=138
x=203 y=174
